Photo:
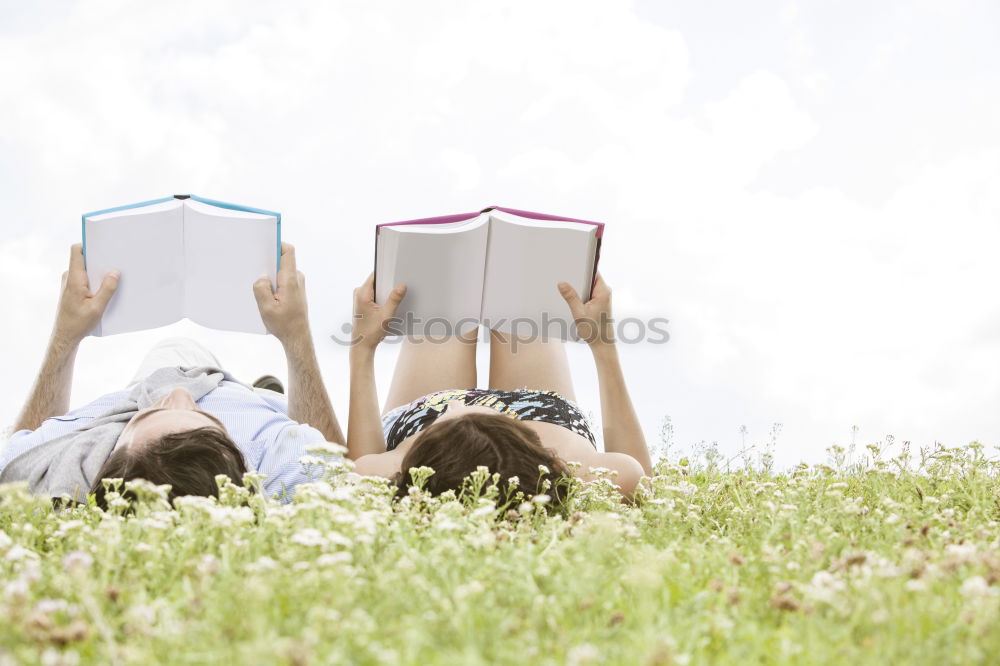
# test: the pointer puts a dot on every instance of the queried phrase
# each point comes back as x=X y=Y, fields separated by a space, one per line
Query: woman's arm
x=622 y=432
x=364 y=425
x=364 y=422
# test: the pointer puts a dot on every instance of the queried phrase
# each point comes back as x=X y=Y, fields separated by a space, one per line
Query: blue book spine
x=210 y=202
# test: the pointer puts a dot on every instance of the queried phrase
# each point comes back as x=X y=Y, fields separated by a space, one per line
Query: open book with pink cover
x=499 y=267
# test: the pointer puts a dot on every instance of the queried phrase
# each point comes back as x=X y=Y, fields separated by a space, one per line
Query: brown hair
x=454 y=448
x=187 y=460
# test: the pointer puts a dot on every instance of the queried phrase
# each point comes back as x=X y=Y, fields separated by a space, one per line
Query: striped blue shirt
x=258 y=422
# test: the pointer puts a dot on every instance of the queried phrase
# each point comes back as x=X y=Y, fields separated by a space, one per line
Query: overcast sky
x=808 y=191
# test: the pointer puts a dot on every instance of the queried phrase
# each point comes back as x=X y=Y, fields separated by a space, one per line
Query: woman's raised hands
x=594 y=321
x=371 y=320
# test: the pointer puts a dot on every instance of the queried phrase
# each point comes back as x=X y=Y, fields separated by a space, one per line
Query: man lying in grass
x=182 y=420
x=524 y=422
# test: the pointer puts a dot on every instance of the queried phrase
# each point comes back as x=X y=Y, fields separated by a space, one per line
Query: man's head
x=454 y=447
x=173 y=442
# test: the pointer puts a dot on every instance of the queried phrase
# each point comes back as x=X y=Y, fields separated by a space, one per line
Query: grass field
x=877 y=561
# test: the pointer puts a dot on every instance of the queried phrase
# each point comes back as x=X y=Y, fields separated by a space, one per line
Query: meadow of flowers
x=875 y=561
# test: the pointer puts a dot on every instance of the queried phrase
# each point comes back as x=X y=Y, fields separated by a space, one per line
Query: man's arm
x=79 y=312
x=308 y=401
x=286 y=316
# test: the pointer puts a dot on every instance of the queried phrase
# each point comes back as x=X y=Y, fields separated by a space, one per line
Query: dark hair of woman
x=454 y=448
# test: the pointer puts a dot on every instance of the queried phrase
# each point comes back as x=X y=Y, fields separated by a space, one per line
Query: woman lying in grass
x=526 y=418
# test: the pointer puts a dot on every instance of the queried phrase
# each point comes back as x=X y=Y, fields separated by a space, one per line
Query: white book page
x=225 y=251
x=146 y=245
x=525 y=262
x=442 y=268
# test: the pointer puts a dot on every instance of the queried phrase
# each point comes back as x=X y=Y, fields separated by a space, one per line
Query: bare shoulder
x=385 y=464
x=629 y=471
x=572 y=447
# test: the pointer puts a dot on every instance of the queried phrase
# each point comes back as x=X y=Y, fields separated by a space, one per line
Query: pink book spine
x=460 y=217
x=443 y=219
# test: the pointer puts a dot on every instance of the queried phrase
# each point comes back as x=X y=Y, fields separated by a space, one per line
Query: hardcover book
x=182 y=256
x=499 y=267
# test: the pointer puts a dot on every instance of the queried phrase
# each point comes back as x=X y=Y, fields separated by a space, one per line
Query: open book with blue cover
x=498 y=267
x=182 y=256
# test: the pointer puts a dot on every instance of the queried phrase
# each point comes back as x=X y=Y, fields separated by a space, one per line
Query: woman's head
x=455 y=447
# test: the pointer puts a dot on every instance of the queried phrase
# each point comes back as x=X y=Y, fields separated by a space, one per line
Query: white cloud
x=806 y=305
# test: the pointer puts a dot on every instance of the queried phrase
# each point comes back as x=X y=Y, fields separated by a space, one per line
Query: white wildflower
x=195 y=504
x=309 y=461
x=157 y=521
x=239 y=515
x=344 y=493
x=53 y=657
x=68 y=526
x=825 y=586
x=447 y=525
x=976 y=586
x=207 y=565
x=141 y=618
x=482 y=539
x=586 y=653
x=961 y=553
x=262 y=564
x=326 y=449
x=337 y=539
x=77 y=562
x=50 y=606
x=16 y=590
x=470 y=589
x=486 y=509
x=309 y=537
x=18 y=553
x=333 y=559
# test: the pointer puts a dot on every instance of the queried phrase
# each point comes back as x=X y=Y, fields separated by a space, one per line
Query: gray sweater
x=68 y=465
